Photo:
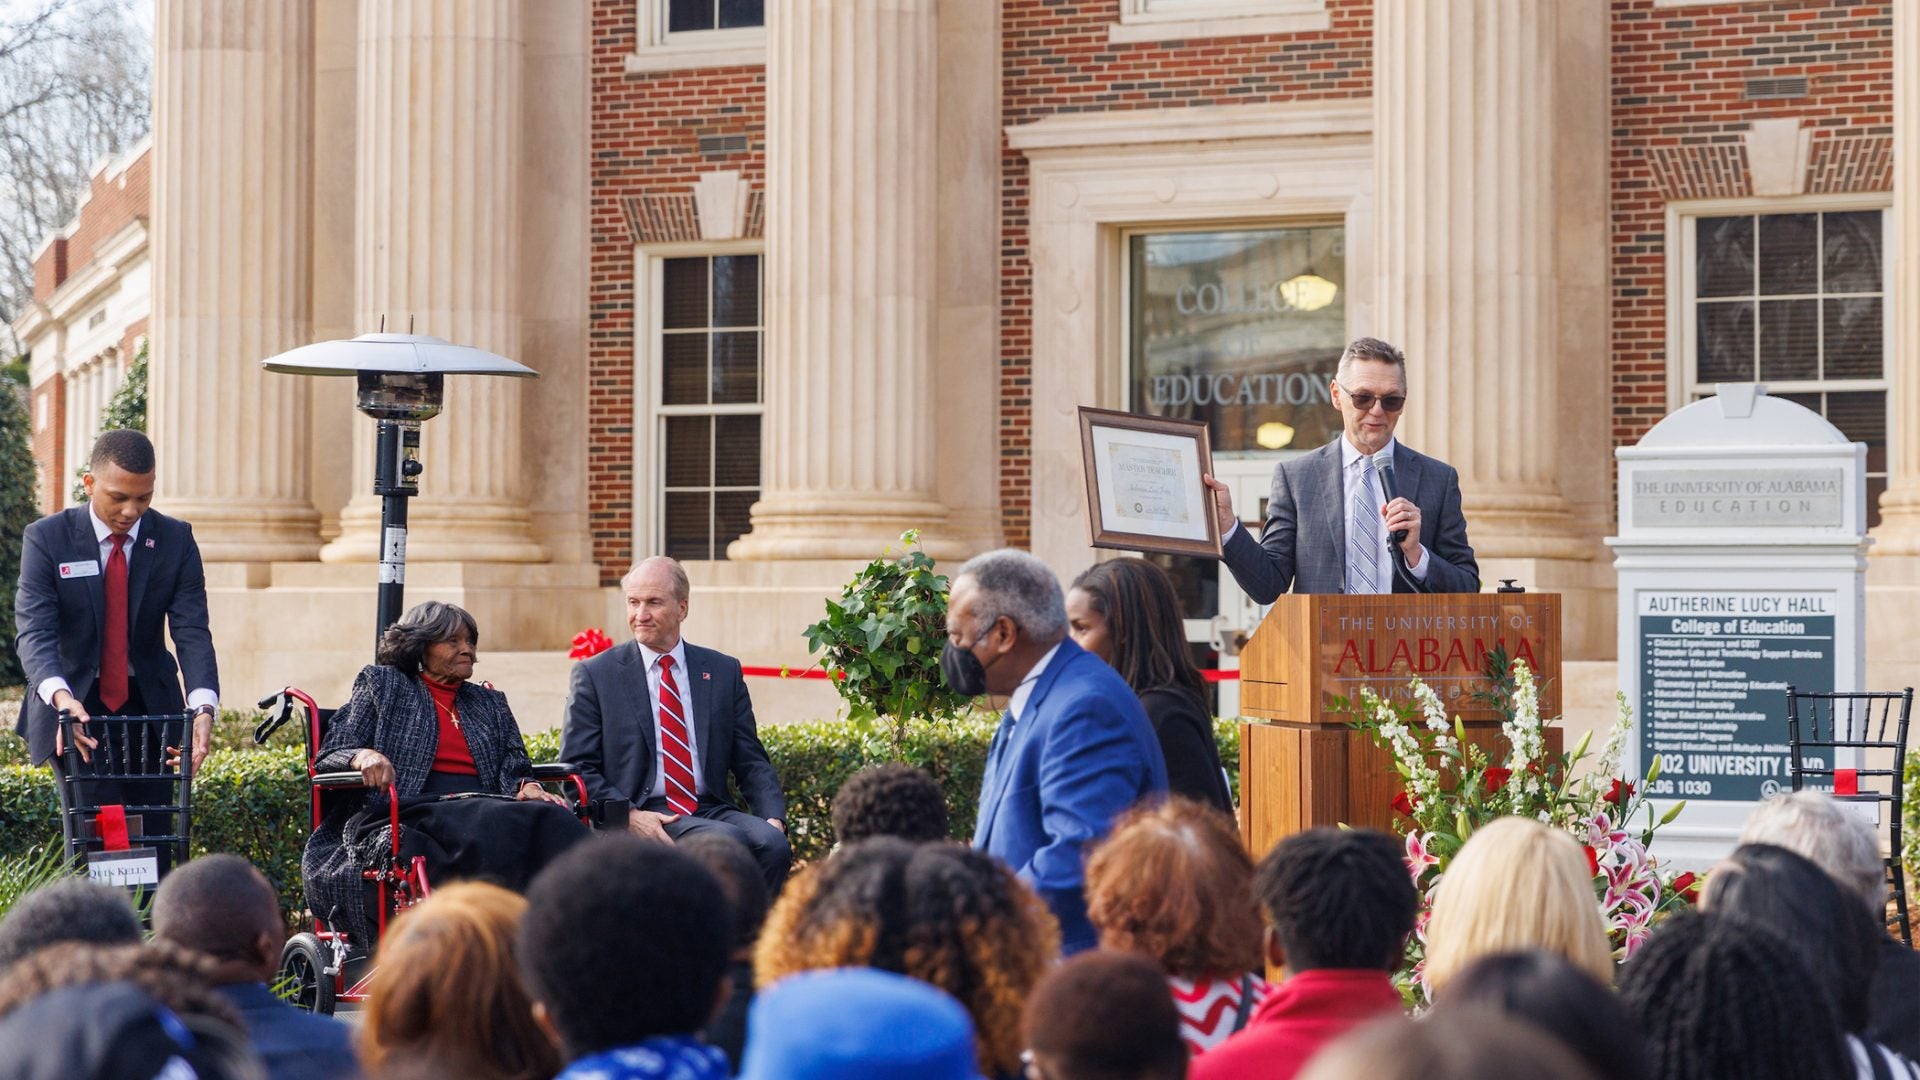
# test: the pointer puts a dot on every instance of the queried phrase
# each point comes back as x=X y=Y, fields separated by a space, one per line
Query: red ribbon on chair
x=1846 y=781
x=112 y=826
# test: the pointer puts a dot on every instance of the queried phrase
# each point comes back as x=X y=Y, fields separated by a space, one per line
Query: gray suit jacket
x=609 y=729
x=60 y=619
x=1304 y=544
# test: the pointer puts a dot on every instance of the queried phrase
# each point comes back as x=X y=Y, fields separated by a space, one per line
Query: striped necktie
x=676 y=756
x=1363 y=537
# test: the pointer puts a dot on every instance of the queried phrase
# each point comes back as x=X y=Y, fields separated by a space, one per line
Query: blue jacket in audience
x=296 y=1045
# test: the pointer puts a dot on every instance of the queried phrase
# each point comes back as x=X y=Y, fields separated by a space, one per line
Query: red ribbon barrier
x=111 y=823
x=1209 y=674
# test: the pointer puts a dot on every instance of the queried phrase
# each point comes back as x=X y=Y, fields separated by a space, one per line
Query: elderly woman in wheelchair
x=450 y=752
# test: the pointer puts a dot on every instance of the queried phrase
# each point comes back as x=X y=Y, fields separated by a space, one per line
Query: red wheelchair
x=324 y=967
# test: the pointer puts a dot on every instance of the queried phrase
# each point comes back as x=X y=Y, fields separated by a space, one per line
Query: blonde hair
x=1516 y=885
x=449 y=991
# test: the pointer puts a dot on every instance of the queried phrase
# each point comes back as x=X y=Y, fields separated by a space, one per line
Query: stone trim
x=675 y=218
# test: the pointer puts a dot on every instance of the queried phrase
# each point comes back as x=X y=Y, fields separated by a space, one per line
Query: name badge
x=83 y=568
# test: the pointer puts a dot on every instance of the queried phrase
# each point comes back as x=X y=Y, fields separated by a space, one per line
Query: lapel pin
x=706 y=676
x=149 y=541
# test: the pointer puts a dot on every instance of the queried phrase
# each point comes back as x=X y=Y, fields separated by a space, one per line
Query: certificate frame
x=1170 y=509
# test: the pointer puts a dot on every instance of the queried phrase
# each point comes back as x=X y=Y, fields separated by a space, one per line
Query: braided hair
x=1719 y=998
x=941 y=913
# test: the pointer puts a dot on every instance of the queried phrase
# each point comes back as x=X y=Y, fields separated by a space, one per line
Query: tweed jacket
x=393 y=713
x=1303 y=546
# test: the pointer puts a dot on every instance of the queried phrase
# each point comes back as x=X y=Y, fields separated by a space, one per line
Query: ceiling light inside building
x=1273 y=435
x=1308 y=291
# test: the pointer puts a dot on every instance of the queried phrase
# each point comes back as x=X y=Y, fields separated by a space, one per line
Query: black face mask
x=963 y=671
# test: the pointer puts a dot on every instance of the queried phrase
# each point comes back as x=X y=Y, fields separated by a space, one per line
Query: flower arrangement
x=1452 y=786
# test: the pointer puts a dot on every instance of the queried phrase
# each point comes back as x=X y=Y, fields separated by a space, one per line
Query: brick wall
x=50 y=269
x=1680 y=82
x=48 y=439
x=1056 y=59
x=115 y=200
x=646 y=154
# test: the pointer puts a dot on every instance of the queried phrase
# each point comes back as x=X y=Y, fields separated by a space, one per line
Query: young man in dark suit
x=101 y=585
x=663 y=724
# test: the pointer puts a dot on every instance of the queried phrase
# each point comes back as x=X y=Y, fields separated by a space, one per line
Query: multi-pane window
x=1797 y=301
x=689 y=16
x=709 y=404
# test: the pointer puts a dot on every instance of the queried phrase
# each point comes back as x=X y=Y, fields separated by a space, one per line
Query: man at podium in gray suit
x=1362 y=514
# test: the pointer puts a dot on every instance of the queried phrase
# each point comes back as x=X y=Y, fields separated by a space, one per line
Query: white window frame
x=1682 y=321
x=1166 y=20
x=660 y=49
x=649 y=495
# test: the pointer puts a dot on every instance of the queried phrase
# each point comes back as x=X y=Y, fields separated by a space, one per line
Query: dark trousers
x=84 y=791
x=767 y=844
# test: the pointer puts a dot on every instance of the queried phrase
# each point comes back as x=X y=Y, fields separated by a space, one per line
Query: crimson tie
x=676 y=757
x=113 y=646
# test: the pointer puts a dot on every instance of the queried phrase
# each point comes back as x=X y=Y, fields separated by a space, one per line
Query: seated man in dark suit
x=662 y=724
x=221 y=906
x=1331 y=527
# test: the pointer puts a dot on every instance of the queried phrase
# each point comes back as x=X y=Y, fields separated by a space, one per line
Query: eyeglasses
x=1392 y=403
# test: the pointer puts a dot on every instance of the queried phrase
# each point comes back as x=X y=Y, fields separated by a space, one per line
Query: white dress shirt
x=104 y=536
x=1350 y=474
x=1017 y=702
x=681 y=682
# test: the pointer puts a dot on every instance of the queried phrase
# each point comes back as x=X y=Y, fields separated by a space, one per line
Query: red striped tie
x=676 y=757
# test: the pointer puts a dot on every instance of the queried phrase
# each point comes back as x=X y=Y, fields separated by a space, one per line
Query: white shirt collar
x=1017 y=703
x=1350 y=453
x=652 y=658
x=101 y=531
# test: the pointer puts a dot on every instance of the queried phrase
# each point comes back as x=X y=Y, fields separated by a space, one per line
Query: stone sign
x=1739 y=498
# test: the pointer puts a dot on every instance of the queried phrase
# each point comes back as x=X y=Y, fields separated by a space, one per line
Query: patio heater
x=401 y=378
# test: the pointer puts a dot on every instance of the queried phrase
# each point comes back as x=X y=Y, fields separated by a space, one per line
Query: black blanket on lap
x=472 y=837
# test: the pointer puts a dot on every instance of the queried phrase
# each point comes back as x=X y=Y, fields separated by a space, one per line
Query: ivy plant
x=881 y=642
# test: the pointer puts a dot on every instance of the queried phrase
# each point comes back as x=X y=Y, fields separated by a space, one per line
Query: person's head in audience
x=1336 y=899
x=1516 y=884
x=448 y=990
x=1719 y=998
x=1548 y=992
x=942 y=913
x=178 y=979
x=72 y=909
x=625 y=941
x=894 y=799
x=1173 y=882
x=1812 y=824
x=118 y=1031
x=1472 y=1044
x=221 y=906
x=1837 y=940
x=1125 y=611
x=1104 y=1016
x=857 y=1023
x=738 y=876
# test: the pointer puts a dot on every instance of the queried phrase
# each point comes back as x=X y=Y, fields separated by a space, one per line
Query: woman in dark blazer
x=1125 y=612
x=415 y=728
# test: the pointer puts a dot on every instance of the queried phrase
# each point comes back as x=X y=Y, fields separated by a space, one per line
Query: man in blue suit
x=1074 y=748
x=222 y=907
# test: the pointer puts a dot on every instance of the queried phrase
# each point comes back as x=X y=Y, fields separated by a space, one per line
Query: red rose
x=1621 y=791
x=1687 y=886
x=1497 y=778
x=1404 y=803
x=1593 y=860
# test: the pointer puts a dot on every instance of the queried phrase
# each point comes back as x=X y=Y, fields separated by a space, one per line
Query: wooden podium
x=1301 y=764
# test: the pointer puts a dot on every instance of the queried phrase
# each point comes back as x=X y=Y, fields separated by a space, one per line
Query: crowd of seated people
x=921 y=958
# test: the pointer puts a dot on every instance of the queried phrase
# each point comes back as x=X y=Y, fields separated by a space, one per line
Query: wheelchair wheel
x=303 y=963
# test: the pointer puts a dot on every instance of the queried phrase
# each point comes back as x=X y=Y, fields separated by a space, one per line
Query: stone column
x=1899 y=531
x=232 y=231
x=852 y=129
x=1464 y=105
x=436 y=241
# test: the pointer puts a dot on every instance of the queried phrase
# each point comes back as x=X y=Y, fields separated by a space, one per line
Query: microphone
x=1383 y=464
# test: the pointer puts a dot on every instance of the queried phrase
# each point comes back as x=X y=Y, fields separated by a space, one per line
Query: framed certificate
x=1144 y=491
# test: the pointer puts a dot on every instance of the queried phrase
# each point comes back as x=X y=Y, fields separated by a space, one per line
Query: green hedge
x=253 y=802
